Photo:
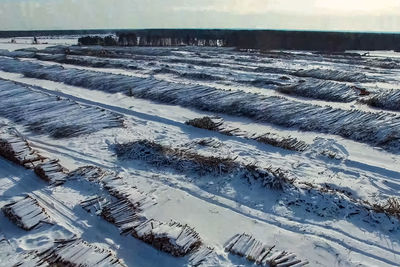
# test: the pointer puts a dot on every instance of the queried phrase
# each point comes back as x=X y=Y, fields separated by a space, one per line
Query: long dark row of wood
x=217 y=124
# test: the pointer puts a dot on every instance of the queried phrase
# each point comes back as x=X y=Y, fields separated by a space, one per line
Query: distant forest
x=242 y=39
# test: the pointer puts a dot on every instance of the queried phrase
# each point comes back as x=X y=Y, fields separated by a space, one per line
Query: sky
x=331 y=15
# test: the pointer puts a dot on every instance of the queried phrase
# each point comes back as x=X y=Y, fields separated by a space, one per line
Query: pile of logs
x=52 y=172
x=123 y=209
x=77 y=253
x=26 y=213
x=115 y=186
x=173 y=238
x=246 y=246
x=14 y=147
x=122 y=214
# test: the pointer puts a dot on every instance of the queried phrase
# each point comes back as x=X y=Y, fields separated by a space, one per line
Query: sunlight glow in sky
x=355 y=15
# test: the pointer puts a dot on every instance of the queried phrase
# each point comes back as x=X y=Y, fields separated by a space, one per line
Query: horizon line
x=232 y=29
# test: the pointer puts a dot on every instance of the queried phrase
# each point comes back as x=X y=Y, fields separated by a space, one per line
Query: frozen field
x=197 y=156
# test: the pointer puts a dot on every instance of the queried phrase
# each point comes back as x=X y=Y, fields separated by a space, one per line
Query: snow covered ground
x=124 y=110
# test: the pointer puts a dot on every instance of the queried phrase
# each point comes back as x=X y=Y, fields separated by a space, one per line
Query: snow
x=323 y=217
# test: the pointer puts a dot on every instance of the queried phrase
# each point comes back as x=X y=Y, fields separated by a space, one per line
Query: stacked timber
x=77 y=253
x=121 y=213
x=14 y=147
x=52 y=172
x=173 y=238
x=124 y=208
x=26 y=213
x=115 y=186
x=246 y=246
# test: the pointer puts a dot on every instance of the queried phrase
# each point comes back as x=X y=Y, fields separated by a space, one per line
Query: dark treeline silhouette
x=98 y=40
x=268 y=39
x=242 y=39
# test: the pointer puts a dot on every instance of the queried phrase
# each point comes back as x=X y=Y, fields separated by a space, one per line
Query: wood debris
x=202 y=256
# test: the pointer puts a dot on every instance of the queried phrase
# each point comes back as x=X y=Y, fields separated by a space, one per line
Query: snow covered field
x=296 y=163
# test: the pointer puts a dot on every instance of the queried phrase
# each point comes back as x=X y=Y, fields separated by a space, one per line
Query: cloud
x=305 y=7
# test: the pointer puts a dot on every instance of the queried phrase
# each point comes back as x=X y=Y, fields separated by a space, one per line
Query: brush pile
x=187 y=161
x=95 y=204
x=391 y=207
x=208 y=123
